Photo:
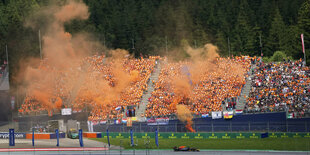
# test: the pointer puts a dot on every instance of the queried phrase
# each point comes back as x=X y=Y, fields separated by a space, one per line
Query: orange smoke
x=202 y=62
x=184 y=115
x=134 y=75
x=58 y=103
x=63 y=54
x=189 y=124
x=175 y=102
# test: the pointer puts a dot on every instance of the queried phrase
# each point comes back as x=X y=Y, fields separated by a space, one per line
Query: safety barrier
x=202 y=135
x=92 y=135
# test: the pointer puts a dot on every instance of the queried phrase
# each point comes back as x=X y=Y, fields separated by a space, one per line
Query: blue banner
x=131 y=137
x=57 y=136
x=108 y=137
x=11 y=137
x=264 y=135
x=81 y=137
x=32 y=136
x=156 y=138
x=5 y=135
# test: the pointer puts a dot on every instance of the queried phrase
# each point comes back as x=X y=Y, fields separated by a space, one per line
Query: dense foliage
x=151 y=26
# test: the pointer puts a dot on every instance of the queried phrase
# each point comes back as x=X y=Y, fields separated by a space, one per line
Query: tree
x=243 y=36
x=278 y=56
x=304 y=27
x=276 y=35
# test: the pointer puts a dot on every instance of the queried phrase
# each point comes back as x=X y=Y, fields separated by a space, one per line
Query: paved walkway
x=245 y=90
x=150 y=88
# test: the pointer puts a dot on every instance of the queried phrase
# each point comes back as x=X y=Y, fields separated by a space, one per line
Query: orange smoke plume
x=58 y=103
x=188 y=125
x=184 y=115
x=175 y=102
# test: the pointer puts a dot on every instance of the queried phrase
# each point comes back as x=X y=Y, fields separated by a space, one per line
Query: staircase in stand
x=245 y=90
x=148 y=93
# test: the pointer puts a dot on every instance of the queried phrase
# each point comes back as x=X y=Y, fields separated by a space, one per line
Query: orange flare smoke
x=184 y=115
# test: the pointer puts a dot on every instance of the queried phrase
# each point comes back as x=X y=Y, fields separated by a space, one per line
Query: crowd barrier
x=92 y=135
x=264 y=122
x=165 y=135
x=201 y=135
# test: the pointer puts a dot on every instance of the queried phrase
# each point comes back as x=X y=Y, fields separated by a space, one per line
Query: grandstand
x=280 y=87
x=236 y=84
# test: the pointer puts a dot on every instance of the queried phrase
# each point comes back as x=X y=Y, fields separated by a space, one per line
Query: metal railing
x=211 y=127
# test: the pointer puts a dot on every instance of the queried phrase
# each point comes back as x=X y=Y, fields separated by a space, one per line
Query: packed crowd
x=93 y=71
x=281 y=86
x=131 y=95
x=224 y=81
x=275 y=87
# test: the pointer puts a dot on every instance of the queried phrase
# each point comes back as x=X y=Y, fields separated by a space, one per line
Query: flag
x=290 y=115
x=228 y=114
x=156 y=138
x=131 y=137
x=117 y=121
x=12 y=137
x=57 y=136
x=204 y=115
x=302 y=43
x=81 y=137
x=33 y=137
x=124 y=120
x=238 y=112
x=118 y=108
x=108 y=137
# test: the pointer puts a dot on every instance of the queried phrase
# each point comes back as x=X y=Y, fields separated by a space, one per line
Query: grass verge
x=288 y=144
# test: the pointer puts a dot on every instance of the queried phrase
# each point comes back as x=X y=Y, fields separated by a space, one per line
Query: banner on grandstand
x=228 y=114
x=66 y=111
x=216 y=115
x=162 y=121
x=158 y=121
x=151 y=121
x=129 y=122
x=103 y=122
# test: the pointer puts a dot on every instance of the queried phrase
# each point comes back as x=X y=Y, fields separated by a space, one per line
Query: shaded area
x=5 y=102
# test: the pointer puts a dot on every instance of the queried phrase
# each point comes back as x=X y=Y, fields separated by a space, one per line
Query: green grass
x=289 y=144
